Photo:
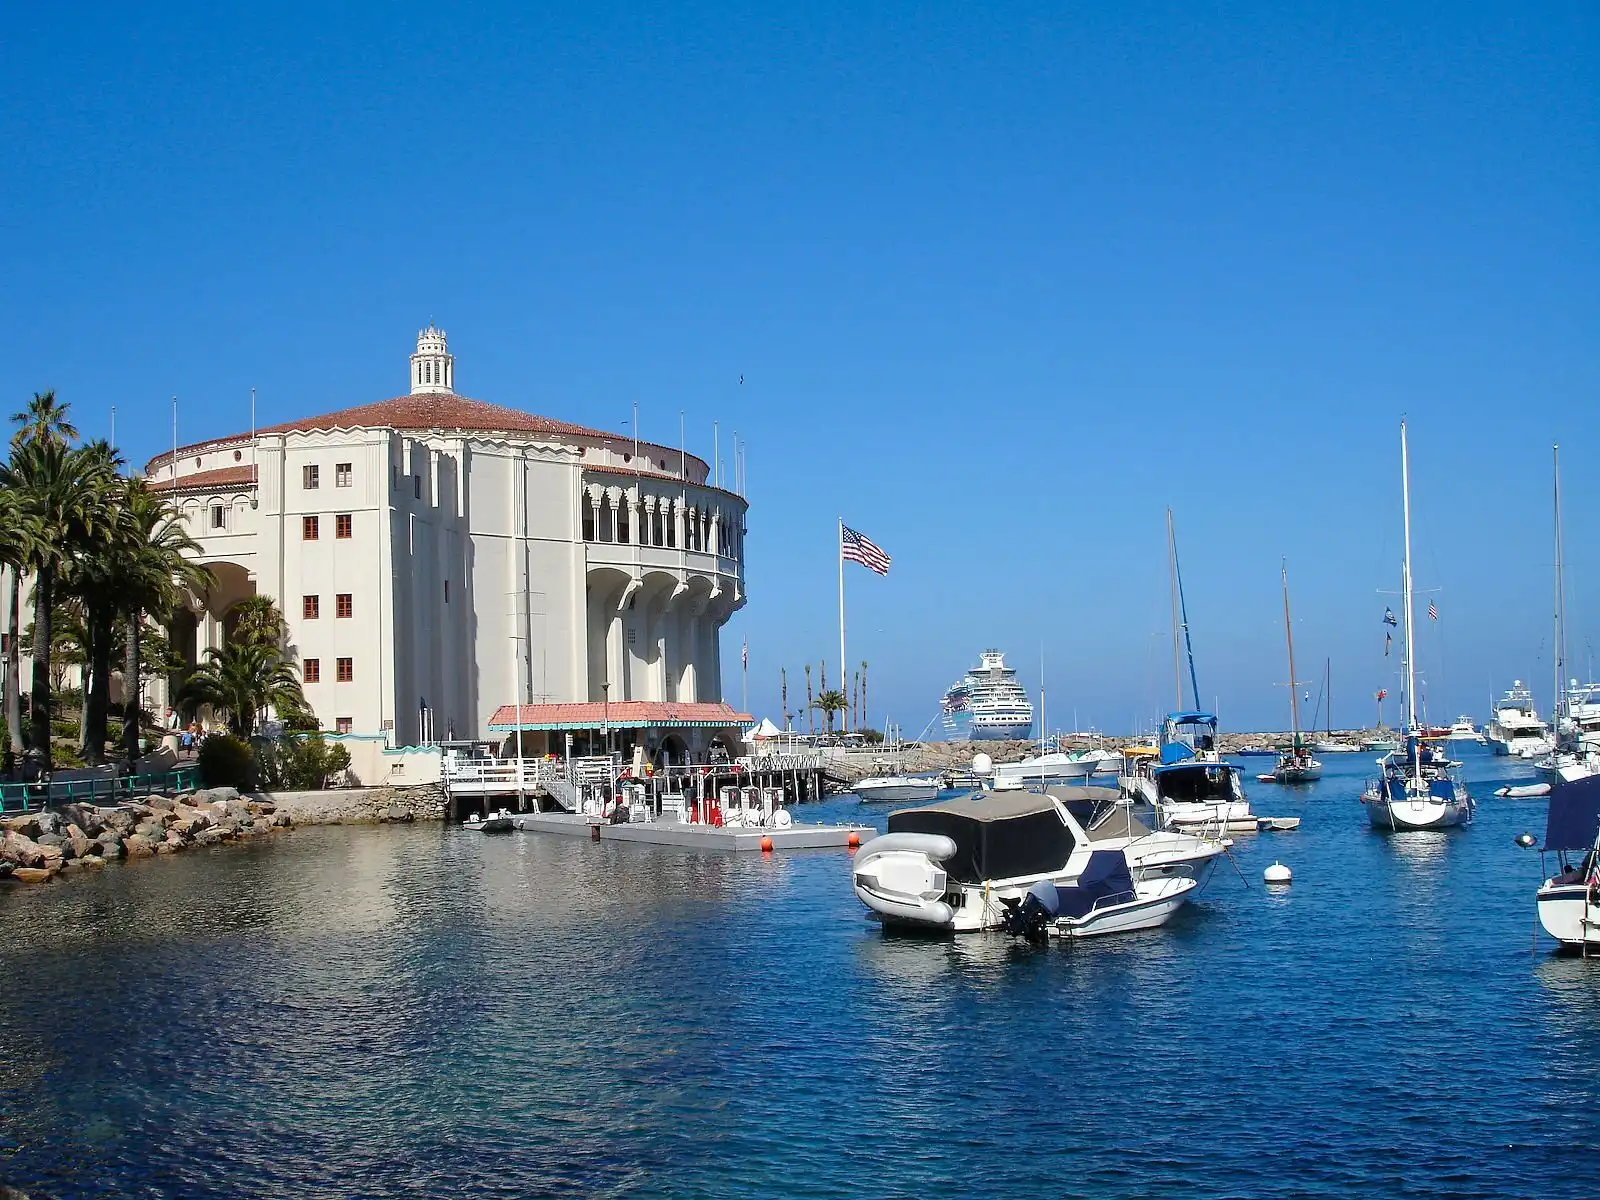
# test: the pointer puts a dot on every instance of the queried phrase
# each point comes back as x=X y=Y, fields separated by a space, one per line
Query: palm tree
x=44 y=420
x=92 y=579
x=831 y=702
x=155 y=568
x=64 y=492
x=242 y=680
x=18 y=535
x=259 y=622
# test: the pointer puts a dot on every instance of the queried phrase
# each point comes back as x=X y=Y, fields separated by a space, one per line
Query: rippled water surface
x=382 y=1012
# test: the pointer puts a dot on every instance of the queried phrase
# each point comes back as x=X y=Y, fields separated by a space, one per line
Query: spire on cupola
x=433 y=367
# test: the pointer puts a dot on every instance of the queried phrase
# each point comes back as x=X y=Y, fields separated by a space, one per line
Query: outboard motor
x=1032 y=916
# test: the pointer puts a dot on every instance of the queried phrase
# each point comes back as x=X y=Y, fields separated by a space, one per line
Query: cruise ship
x=987 y=704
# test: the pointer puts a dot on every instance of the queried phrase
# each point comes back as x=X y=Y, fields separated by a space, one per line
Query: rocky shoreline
x=37 y=847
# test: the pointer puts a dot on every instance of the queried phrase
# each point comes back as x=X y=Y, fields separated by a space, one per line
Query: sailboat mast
x=1411 y=668
x=1561 y=606
x=1327 y=675
x=1172 y=581
x=1288 y=635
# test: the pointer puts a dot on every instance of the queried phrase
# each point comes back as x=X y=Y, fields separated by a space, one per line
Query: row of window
x=344 y=671
x=311 y=527
x=311 y=476
x=311 y=606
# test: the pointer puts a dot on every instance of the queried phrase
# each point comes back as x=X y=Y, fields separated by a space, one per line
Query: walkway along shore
x=37 y=847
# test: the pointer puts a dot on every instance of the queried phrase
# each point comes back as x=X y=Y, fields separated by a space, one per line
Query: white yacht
x=1515 y=728
x=1189 y=785
x=1043 y=770
x=951 y=867
x=1464 y=731
x=1569 y=900
x=895 y=789
x=987 y=704
x=1416 y=789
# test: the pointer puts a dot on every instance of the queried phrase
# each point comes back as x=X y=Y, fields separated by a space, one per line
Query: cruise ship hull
x=962 y=728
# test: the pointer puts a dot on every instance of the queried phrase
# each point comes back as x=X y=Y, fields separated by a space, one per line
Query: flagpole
x=841 y=594
x=744 y=676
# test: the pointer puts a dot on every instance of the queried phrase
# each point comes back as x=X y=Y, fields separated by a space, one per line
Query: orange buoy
x=853 y=840
x=766 y=845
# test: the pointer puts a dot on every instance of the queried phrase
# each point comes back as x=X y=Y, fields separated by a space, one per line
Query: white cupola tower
x=433 y=367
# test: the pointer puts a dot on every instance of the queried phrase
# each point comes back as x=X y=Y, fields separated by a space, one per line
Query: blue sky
x=1003 y=284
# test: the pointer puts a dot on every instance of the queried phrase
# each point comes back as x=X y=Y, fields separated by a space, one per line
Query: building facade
x=438 y=557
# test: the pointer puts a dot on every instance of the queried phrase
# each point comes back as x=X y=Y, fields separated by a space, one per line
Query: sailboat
x=1416 y=790
x=1295 y=765
x=1328 y=744
x=1191 y=785
x=1573 y=757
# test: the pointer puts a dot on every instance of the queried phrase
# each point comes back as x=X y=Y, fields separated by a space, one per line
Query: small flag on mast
x=744 y=655
x=1388 y=617
x=1433 y=611
x=1387 y=638
x=857 y=548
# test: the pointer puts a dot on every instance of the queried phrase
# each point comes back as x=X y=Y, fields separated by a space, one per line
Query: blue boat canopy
x=1574 y=816
x=1191 y=718
x=1175 y=752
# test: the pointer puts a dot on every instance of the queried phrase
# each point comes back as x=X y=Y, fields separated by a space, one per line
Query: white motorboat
x=1464 y=731
x=1569 y=900
x=495 y=822
x=1043 y=770
x=1331 y=747
x=950 y=867
x=1382 y=743
x=1152 y=854
x=1105 y=898
x=896 y=789
x=1516 y=729
x=1190 y=786
x=1416 y=789
x=1296 y=766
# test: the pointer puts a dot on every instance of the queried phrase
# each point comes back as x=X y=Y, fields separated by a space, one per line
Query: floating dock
x=695 y=836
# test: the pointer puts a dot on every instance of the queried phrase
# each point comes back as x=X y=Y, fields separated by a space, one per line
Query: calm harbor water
x=385 y=1012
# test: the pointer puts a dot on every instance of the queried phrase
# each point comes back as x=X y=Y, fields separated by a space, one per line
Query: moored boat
x=950 y=867
x=895 y=789
x=495 y=822
x=1295 y=764
x=1416 y=789
x=1569 y=900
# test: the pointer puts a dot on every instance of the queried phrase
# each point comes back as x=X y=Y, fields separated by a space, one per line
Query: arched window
x=622 y=520
x=642 y=523
x=588 y=517
x=606 y=533
x=671 y=522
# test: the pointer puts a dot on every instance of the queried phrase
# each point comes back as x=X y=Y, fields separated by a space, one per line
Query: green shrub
x=64 y=729
x=299 y=764
x=224 y=761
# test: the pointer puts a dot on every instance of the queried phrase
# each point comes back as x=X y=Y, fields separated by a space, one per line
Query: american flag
x=1433 y=611
x=855 y=547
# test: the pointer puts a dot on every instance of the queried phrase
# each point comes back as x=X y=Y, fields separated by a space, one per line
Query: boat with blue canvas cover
x=1569 y=900
x=1417 y=789
x=1191 y=785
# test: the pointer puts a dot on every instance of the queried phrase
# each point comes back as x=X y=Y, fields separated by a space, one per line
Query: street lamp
x=605 y=720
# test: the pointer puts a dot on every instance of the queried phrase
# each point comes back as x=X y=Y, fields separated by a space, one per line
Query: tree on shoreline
x=18 y=533
x=831 y=702
x=244 y=679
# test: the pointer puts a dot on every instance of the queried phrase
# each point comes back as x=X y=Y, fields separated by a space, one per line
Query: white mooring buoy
x=1277 y=873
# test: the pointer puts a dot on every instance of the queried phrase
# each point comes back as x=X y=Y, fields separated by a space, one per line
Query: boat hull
x=1155 y=903
x=1416 y=814
x=1570 y=914
x=872 y=791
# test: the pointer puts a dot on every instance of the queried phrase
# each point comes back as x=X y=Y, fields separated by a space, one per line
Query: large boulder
x=80 y=844
x=282 y=820
x=208 y=837
x=161 y=803
x=50 y=839
x=85 y=817
x=263 y=805
x=121 y=821
x=398 y=814
x=136 y=845
x=109 y=845
x=50 y=822
x=153 y=830
x=238 y=809
x=34 y=874
x=91 y=860
x=27 y=825
x=20 y=850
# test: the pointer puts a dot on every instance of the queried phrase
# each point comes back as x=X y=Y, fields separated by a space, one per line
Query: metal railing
x=96 y=789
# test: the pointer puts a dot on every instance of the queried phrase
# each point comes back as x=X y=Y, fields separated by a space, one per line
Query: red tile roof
x=619 y=712
x=203 y=480
x=436 y=411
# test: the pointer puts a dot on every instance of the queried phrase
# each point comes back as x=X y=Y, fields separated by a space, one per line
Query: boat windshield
x=1201 y=783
